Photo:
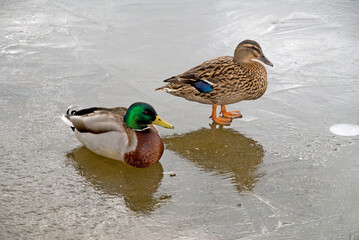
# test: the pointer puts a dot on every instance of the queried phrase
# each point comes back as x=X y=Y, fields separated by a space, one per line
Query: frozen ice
x=277 y=173
x=345 y=129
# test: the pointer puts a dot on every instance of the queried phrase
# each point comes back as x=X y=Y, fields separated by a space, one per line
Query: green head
x=140 y=114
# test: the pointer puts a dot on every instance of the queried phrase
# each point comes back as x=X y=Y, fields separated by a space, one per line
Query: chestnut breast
x=148 y=151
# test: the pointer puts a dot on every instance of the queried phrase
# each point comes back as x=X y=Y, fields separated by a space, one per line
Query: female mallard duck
x=224 y=80
x=120 y=133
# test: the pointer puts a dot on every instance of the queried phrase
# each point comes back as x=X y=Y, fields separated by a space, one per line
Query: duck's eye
x=145 y=112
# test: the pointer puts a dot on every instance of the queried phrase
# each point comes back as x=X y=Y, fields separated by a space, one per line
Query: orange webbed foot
x=222 y=120
x=219 y=120
x=230 y=114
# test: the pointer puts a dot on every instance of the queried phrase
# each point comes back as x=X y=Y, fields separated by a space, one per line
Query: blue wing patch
x=202 y=86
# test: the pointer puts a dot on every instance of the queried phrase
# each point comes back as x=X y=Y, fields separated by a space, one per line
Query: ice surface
x=345 y=129
x=277 y=173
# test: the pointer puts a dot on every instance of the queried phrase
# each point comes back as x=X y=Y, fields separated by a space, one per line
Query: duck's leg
x=219 y=120
x=231 y=114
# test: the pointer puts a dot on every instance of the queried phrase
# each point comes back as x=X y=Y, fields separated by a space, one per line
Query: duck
x=120 y=133
x=224 y=80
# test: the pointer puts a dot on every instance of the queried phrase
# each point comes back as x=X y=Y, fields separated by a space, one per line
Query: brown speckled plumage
x=232 y=82
x=232 y=79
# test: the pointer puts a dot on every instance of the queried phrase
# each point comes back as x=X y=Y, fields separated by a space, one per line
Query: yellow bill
x=160 y=122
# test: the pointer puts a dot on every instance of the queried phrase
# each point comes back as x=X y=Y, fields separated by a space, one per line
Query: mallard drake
x=224 y=80
x=120 y=133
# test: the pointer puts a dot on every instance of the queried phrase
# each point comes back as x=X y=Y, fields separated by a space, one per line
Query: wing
x=202 y=77
x=98 y=120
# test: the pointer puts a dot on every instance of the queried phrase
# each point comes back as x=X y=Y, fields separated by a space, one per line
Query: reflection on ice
x=136 y=185
x=224 y=151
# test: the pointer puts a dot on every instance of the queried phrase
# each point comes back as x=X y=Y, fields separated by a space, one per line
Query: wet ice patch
x=345 y=129
x=298 y=22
